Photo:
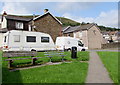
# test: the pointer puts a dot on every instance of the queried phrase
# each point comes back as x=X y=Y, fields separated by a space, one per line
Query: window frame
x=47 y=41
x=80 y=43
x=18 y=39
x=28 y=41
x=17 y=24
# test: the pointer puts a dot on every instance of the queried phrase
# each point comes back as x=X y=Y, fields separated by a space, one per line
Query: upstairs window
x=19 y=25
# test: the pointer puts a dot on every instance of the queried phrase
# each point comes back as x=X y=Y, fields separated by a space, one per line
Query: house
x=116 y=37
x=47 y=23
x=112 y=36
x=13 y=22
x=89 y=34
x=106 y=35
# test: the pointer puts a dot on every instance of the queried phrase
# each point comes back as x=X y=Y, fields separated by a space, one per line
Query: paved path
x=97 y=73
x=112 y=49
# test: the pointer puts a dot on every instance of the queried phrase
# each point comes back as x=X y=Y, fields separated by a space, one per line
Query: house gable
x=47 y=13
x=95 y=38
x=48 y=24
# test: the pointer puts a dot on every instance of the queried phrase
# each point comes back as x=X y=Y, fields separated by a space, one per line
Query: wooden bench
x=52 y=54
x=11 y=55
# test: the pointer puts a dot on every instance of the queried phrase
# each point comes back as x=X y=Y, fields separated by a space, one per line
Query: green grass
x=64 y=73
x=110 y=60
x=74 y=72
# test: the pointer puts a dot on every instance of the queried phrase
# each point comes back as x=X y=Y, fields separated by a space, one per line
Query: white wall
x=4 y=23
x=1 y=39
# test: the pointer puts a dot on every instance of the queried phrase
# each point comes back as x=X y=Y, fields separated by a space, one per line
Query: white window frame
x=19 y=25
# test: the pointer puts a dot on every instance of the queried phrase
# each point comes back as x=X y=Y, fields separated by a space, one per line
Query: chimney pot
x=4 y=14
x=46 y=10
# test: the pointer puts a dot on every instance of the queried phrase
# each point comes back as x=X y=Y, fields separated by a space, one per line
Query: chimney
x=4 y=14
x=46 y=10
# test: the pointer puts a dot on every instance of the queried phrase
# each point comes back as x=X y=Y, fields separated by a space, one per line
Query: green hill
x=103 y=28
x=68 y=22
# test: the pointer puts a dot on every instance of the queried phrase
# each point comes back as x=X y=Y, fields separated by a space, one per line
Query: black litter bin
x=74 y=52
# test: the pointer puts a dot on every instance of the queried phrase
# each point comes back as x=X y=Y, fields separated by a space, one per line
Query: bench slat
x=22 y=58
x=17 y=59
x=18 y=54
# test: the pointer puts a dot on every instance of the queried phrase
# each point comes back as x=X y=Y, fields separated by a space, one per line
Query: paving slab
x=97 y=72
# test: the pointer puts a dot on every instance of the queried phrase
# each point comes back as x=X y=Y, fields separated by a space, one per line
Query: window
x=80 y=43
x=31 y=39
x=19 y=25
x=45 y=39
x=16 y=38
x=5 y=39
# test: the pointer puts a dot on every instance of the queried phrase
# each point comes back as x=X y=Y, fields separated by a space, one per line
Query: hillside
x=68 y=22
x=103 y=28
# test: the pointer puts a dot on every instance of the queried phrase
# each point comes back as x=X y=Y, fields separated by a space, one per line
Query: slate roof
x=70 y=29
x=19 y=18
x=77 y=28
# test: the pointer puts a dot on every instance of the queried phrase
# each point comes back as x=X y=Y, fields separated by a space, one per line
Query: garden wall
x=110 y=45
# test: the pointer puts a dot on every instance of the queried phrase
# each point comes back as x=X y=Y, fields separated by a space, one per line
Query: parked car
x=66 y=43
x=27 y=41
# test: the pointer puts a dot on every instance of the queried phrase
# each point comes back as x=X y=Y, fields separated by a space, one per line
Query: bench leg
x=10 y=64
x=33 y=61
x=62 y=58
x=50 y=59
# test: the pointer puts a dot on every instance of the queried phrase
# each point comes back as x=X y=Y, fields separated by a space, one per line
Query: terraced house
x=89 y=34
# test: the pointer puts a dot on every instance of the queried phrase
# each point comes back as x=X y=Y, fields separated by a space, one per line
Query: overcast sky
x=102 y=13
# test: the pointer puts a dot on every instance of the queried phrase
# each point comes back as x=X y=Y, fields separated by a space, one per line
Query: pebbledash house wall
x=85 y=37
x=47 y=24
x=94 y=38
x=82 y=35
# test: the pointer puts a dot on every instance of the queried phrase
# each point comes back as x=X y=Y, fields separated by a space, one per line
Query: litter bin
x=74 y=52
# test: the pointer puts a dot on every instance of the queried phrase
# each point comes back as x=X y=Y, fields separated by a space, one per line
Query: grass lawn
x=110 y=60
x=74 y=72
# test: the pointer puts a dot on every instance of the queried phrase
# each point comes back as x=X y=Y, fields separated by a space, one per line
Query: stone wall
x=110 y=45
x=47 y=24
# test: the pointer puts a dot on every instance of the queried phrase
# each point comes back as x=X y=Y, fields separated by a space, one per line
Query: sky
x=102 y=13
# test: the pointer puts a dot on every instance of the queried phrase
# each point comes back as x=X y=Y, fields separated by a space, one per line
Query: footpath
x=97 y=73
